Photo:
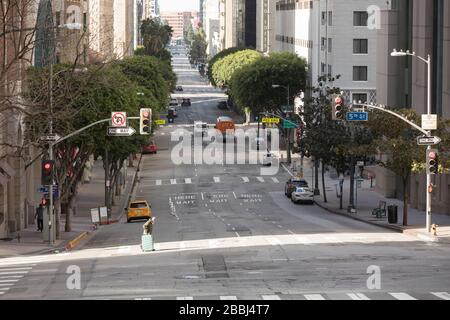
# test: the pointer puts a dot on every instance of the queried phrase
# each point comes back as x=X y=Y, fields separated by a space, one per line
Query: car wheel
x=128 y=220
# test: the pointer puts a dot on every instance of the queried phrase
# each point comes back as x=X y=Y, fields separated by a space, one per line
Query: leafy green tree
x=251 y=86
x=198 y=47
x=224 y=69
x=222 y=54
x=156 y=37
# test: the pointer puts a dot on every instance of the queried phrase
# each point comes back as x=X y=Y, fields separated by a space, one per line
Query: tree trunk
x=57 y=205
x=323 y=183
x=316 y=177
x=405 y=201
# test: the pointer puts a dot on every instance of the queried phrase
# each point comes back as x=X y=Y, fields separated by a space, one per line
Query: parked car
x=267 y=159
x=150 y=148
x=186 y=102
x=222 y=105
x=292 y=184
x=179 y=88
x=138 y=210
x=302 y=195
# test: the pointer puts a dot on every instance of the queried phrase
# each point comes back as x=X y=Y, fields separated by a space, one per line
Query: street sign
x=428 y=141
x=50 y=138
x=429 y=121
x=357 y=116
x=120 y=132
x=160 y=122
x=289 y=125
x=44 y=189
x=360 y=163
x=118 y=119
x=270 y=120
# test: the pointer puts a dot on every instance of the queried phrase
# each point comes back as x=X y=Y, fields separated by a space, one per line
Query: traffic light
x=48 y=167
x=146 y=121
x=432 y=161
x=338 y=108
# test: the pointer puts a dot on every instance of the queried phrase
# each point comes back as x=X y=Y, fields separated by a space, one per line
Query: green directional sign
x=289 y=125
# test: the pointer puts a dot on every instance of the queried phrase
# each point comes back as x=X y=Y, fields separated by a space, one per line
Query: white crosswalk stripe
x=246 y=179
x=402 y=296
x=314 y=297
x=271 y=297
x=442 y=295
x=216 y=179
x=158 y=182
x=260 y=179
x=188 y=180
x=11 y=273
x=185 y=298
x=228 y=298
x=173 y=181
x=358 y=296
x=275 y=180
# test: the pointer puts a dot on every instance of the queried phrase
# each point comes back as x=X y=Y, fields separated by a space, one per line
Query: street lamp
x=402 y=53
x=288 y=130
x=52 y=230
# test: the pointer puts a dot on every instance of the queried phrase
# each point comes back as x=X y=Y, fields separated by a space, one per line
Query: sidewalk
x=90 y=195
x=367 y=199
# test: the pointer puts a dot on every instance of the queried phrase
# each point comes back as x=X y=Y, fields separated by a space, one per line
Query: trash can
x=392 y=214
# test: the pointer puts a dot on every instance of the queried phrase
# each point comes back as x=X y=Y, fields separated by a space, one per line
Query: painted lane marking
x=358 y=296
x=228 y=298
x=158 y=182
x=314 y=297
x=246 y=179
x=271 y=297
x=173 y=181
x=442 y=295
x=216 y=179
x=260 y=179
x=402 y=296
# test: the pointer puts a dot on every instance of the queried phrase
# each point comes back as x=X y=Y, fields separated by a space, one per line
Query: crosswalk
x=216 y=180
x=357 y=296
x=10 y=275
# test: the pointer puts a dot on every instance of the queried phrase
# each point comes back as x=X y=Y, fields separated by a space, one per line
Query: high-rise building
x=265 y=25
x=336 y=37
x=178 y=21
x=101 y=29
x=422 y=27
x=211 y=25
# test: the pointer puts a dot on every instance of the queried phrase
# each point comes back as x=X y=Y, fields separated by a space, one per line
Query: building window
x=324 y=43
x=330 y=18
x=330 y=45
x=360 y=46
x=323 y=68
x=330 y=70
x=360 y=97
x=360 y=73
x=360 y=18
x=324 y=18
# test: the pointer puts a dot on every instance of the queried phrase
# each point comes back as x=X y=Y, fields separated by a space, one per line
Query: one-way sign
x=120 y=132
x=428 y=141
x=50 y=138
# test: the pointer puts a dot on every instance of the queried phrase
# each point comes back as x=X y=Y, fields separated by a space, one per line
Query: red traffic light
x=432 y=155
x=145 y=114
x=47 y=166
x=339 y=100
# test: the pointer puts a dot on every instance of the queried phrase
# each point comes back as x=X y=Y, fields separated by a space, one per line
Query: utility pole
x=107 y=181
x=51 y=223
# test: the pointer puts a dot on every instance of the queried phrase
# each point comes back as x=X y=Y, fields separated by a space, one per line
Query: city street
x=227 y=232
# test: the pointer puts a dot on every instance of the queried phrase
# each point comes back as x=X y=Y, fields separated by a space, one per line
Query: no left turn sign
x=118 y=119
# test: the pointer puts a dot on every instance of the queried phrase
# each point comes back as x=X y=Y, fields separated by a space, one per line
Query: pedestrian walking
x=40 y=217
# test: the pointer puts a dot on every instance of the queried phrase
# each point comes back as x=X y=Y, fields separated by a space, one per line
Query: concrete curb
x=73 y=243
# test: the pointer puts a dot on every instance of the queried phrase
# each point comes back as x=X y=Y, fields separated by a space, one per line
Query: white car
x=267 y=159
x=303 y=194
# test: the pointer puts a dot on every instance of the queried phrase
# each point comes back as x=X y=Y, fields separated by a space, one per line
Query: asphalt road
x=226 y=232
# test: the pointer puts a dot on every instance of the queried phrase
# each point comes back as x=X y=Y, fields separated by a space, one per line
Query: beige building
x=176 y=21
x=124 y=34
x=101 y=30
x=265 y=25
x=424 y=28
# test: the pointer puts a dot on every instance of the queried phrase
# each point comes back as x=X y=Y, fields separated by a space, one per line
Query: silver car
x=302 y=195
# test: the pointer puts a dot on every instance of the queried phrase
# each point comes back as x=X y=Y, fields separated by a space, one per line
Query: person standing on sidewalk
x=148 y=226
x=40 y=217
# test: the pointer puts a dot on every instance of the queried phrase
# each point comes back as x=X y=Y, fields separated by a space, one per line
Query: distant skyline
x=179 y=5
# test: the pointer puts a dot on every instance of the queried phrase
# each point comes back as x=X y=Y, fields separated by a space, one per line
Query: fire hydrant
x=434 y=229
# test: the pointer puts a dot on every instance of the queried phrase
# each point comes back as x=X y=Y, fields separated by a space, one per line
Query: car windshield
x=300 y=183
x=138 y=205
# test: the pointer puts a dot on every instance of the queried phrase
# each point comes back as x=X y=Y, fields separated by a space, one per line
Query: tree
x=224 y=69
x=398 y=142
x=251 y=86
x=198 y=47
x=222 y=54
x=156 y=37
x=80 y=99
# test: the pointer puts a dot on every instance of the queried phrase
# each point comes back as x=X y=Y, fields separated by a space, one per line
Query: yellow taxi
x=139 y=209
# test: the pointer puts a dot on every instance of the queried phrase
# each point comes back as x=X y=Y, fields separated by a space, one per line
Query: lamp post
x=401 y=53
x=288 y=133
x=52 y=223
